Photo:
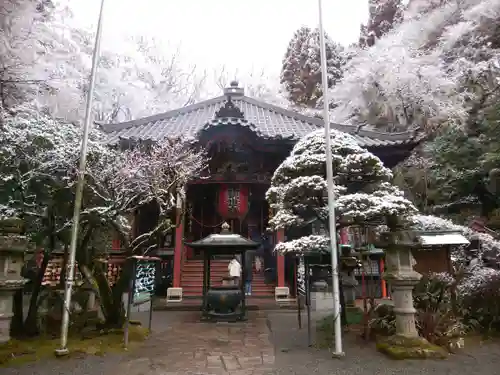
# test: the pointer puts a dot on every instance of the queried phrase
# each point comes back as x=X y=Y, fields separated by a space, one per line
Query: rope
x=206 y=226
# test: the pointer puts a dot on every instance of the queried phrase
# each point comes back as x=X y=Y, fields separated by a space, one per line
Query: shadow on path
x=293 y=356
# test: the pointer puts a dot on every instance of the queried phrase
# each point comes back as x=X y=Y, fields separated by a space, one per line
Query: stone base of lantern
x=402 y=347
x=402 y=296
x=5 y=327
x=7 y=290
x=406 y=344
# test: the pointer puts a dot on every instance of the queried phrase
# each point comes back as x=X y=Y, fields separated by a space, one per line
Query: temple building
x=246 y=140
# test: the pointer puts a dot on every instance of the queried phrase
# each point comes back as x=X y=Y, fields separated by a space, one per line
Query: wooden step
x=192 y=279
x=199 y=293
x=197 y=289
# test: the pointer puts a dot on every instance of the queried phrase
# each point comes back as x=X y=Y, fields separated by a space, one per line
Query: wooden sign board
x=144 y=280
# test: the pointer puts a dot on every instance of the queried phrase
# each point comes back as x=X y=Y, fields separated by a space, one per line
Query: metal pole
x=130 y=301
x=297 y=293
x=331 y=198
x=63 y=350
x=308 y=299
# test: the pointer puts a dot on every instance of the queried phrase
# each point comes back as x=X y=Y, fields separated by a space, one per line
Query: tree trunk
x=17 y=322
x=121 y=287
x=31 y=323
x=111 y=298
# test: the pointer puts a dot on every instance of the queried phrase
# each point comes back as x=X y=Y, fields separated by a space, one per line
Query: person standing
x=249 y=257
x=234 y=269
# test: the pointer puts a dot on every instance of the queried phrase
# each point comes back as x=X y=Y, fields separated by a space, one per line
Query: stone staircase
x=192 y=279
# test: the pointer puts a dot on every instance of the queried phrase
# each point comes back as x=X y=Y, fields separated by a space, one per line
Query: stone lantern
x=401 y=276
x=12 y=249
x=406 y=343
x=348 y=263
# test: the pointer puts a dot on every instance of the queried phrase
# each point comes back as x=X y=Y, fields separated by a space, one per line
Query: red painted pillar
x=179 y=234
x=280 y=259
x=115 y=243
x=383 y=284
x=344 y=236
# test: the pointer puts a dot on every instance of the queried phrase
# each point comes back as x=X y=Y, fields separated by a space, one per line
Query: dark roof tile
x=268 y=120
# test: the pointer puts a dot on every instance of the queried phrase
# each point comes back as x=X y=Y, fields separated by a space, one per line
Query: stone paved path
x=191 y=347
x=182 y=345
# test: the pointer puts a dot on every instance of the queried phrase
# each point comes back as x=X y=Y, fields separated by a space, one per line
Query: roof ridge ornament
x=229 y=110
x=234 y=90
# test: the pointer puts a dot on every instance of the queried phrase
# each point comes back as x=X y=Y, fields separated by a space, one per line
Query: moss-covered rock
x=400 y=347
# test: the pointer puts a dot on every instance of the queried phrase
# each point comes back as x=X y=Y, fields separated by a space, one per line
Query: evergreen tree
x=382 y=17
x=301 y=71
x=466 y=167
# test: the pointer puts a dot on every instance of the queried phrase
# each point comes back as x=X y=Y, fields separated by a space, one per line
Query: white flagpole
x=70 y=275
x=331 y=197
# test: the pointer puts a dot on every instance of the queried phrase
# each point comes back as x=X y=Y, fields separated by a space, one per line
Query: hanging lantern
x=233 y=201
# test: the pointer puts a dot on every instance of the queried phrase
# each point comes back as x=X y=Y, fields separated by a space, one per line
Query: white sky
x=238 y=34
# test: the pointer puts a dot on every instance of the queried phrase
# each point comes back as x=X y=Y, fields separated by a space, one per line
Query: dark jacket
x=249 y=258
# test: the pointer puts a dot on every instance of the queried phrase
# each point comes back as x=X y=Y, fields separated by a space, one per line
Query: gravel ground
x=293 y=356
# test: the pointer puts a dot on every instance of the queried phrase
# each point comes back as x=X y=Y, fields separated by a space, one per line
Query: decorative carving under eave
x=229 y=110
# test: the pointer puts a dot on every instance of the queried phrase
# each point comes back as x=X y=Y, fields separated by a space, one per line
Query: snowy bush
x=477 y=286
x=362 y=186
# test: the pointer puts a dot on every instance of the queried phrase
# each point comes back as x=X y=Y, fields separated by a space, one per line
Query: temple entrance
x=245 y=209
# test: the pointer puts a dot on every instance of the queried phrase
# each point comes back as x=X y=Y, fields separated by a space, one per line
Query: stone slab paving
x=183 y=345
x=191 y=347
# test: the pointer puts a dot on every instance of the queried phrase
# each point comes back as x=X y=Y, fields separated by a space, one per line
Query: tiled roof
x=267 y=120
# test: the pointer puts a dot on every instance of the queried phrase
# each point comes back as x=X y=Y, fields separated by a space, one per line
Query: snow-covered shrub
x=477 y=286
x=479 y=297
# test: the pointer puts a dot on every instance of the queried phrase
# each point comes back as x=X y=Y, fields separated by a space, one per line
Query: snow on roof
x=437 y=239
x=267 y=120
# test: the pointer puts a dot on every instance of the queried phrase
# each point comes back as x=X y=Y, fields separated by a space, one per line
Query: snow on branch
x=362 y=208
x=285 y=219
x=160 y=172
x=477 y=279
x=39 y=169
x=305 y=244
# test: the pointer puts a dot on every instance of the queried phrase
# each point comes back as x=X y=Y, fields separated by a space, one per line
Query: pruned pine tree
x=363 y=188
